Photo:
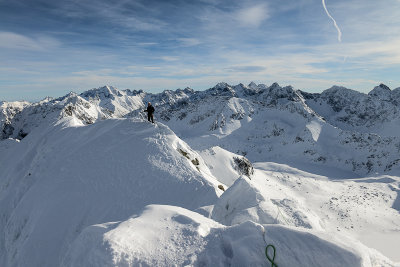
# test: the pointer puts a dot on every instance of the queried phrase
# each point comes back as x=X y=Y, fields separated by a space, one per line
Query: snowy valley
x=85 y=180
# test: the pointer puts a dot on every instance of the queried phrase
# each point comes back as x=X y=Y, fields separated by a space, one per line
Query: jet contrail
x=334 y=22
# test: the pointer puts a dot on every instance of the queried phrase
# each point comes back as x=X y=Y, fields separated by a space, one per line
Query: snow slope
x=59 y=180
x=86 y=181
x=364 y=209
x=79 y=195
x=173 y=236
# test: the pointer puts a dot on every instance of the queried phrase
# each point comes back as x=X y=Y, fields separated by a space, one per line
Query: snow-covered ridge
x=95 y=184
x=125 y=192
x=255 y=120
x=71 y=177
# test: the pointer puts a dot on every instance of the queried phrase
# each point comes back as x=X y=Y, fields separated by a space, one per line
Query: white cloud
x=253 y=16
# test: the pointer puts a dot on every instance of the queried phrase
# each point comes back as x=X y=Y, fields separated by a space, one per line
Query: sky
x=49 y=48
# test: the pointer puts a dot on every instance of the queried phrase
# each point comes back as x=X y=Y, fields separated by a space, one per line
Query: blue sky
x=49 y=48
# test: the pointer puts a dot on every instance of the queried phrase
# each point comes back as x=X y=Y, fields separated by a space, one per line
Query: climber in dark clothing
x=150 y=111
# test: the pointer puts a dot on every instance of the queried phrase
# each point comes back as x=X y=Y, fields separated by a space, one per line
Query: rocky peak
x=102 y=93
x=253 y=86
x=221 y=89
x=240 y=89
x=61 y=100
x=383 y=86
x=382 y=92
x=339 y=97
x=342 y=93
x=221 y=85
x=336 y=89
x=188 y=90
x=133 y=92
x=275 y=85
x=276 y=91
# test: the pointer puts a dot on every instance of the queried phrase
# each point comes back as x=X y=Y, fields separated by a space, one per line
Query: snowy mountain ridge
x=338 y=98
x=85 y=180
x=365 y=127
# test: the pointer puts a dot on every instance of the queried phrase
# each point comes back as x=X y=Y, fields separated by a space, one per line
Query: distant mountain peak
x=221 y=85
x=383 y=86
x=253 y=85
x=382 y=92
x=102 y=92
x=188 y=89
x=341 y=91
x=338 y=87
x=67 y=96
x=274 y=85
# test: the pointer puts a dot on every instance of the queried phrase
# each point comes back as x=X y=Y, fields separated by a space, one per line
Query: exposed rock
x=243 y=166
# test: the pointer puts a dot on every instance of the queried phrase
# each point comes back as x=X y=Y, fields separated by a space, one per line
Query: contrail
x=334 y=22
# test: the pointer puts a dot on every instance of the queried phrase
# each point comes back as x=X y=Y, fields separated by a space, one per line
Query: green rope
x=273 y=264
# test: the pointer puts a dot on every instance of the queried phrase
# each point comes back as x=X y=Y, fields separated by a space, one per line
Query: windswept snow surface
x=86 y=181
x=364 y=209
x=173 y=236
x=58 y=181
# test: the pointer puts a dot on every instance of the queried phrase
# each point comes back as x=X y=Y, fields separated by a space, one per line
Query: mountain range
x=86 y=180
x=338 y=127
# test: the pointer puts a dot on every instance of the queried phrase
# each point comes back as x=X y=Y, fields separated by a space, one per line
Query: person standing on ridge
x=150 y=111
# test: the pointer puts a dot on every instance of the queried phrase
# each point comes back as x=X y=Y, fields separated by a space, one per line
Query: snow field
x=122 y=191
x=172 y=236
x=63 y=179
x=91 y=195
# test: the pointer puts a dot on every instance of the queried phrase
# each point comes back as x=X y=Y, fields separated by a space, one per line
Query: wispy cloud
x=252 y=16
x=11 y=40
